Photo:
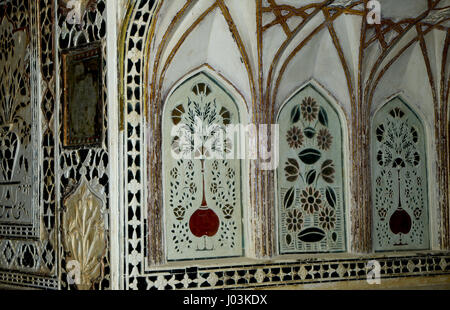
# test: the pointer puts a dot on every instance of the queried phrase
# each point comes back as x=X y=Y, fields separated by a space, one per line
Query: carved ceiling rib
x=444 y=130
x=147 y=57
x=445 y=89
x=344 y=63
x=329 y=19
x=240 y=44
x=423 y=47
x=281 y=49
x=370 y=87
x=177 y=18
x=391 y=35
x=393 y=60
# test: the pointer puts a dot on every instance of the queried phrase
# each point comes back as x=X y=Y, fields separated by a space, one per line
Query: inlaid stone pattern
x=202 y=192
x=18 y=186
x=85 y=163
x=293 y=273
x=399 y=184
x=310 y=176
x=135 y=231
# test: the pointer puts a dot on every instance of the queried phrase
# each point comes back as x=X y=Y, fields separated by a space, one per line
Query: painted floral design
x=295 y=137
x=382 y=213
x=228 y=211
x=204 y=187
x=311 y=200
x=230 y=173
x=179 y=212
x=327 y=218
x=310 y=184
x=294 y=220
x=309 y=109
x=417 y=213
x=399 y=199
x=324 y=139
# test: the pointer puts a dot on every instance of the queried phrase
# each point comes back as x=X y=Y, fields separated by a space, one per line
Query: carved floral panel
x=310 y=176
x=202 y=186
x=399 y=179
x=16 y=115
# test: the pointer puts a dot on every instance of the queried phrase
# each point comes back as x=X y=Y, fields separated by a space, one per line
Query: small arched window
x=311 y=215
x=202 y=178
x=399 y=179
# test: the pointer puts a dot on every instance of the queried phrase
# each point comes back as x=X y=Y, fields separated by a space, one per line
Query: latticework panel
x=400 y=181
x=311 y=204
x=202 y=173
x=90 y=163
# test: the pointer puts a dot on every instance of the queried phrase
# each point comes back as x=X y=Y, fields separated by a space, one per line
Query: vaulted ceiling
x=268 y=48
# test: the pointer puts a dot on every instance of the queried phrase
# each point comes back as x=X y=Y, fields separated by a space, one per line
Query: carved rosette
x=84 y=236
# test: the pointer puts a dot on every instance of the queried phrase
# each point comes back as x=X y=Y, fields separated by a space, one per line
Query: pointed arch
x=311 y=189
x=203 y=186
x=400 y=192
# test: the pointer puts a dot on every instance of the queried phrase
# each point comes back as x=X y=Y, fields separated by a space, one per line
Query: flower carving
x=327 y=218
x=294 y=220
x=179 y=212
x=295 y=137
x=309 y=109
x=228 y=211
x=382 y=213
x=324 y=139
x=311 y=200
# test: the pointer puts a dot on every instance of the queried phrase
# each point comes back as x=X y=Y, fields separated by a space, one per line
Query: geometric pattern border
x=291 y=273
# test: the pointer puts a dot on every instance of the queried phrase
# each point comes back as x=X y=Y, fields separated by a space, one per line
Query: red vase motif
x=204 y=222
x=400 y=221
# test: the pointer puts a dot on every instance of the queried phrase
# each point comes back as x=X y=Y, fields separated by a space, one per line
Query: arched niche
x=399 y=179
x=311 y=191
x=203 y=175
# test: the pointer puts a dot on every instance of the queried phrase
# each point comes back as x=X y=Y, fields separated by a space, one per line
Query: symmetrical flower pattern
x=310 y=181
x=16 y=117
x=399 y=188
x=202 y=188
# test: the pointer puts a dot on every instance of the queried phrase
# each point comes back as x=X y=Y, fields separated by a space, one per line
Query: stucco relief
x=84 y=236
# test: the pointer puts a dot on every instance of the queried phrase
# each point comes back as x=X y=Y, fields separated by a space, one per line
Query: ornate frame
x=69 y=57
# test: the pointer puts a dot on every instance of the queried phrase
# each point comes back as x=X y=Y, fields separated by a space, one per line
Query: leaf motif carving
x=289 y=198
x=84 y=236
